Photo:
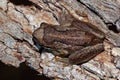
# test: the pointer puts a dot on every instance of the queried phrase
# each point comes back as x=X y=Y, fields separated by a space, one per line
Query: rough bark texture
x=19 y=19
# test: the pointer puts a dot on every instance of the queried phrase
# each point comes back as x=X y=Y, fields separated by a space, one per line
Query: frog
x=77 y=41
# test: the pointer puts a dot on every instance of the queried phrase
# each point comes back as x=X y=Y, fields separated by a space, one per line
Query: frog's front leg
x=86 y=54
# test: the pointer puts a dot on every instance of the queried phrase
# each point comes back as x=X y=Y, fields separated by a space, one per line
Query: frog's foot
x=63 y=60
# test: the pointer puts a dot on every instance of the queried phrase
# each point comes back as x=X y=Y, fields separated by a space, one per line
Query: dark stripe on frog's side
x=83 y=26
x=70 y=37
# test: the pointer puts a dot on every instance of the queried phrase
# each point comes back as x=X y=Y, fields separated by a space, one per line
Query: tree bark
x=20 y=18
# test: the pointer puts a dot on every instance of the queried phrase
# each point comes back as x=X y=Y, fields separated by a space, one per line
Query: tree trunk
x=20 y=18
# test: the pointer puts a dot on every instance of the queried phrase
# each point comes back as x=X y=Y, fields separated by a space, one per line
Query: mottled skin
x=78 y=41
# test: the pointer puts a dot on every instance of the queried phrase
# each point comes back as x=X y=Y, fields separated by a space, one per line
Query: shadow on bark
x=21 y=2
x=22 y=73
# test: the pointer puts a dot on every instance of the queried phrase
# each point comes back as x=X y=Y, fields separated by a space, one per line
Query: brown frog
x=78 y=41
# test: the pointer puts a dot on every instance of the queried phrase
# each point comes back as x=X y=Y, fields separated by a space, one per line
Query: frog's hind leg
x=85 y=54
